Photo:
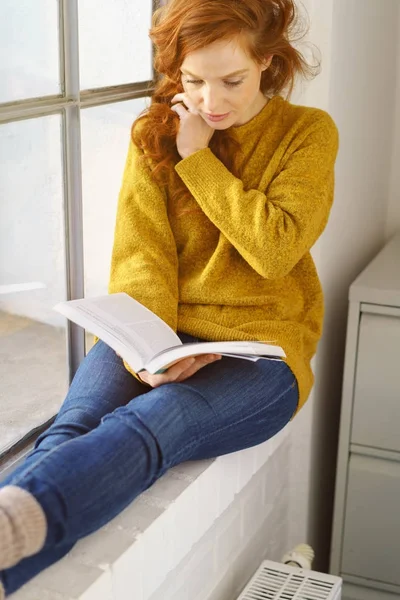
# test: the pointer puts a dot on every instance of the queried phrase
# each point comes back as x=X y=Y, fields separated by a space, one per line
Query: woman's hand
x=194 y=133
x=179 y=371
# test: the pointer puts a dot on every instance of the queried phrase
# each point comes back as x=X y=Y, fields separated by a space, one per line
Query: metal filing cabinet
x=366 y=527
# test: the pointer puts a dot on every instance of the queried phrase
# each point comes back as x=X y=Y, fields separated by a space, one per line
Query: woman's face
x=223 y=81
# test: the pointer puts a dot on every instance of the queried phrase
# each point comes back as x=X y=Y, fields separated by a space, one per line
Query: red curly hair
x=269 y=27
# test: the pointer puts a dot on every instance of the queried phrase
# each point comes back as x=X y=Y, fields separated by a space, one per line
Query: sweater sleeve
x=271 y=229
x=144 y=260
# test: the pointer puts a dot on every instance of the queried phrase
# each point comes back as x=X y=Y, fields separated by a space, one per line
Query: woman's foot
x=23 y=526
x=2 y=592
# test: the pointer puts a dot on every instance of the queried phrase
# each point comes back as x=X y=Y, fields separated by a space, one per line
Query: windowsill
x=137 y=549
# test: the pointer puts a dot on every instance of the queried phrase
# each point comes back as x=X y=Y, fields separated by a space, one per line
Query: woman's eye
x=233 y=83
x=228 y=83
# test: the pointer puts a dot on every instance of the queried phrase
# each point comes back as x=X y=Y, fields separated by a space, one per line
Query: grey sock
x=23 y=526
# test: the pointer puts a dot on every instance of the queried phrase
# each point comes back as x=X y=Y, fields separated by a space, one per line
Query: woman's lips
x=217 y=117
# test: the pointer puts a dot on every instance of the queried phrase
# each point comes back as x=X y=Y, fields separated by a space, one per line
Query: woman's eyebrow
x=239 y=72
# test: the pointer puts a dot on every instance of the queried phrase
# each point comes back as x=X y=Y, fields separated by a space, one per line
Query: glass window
x=59 y=156
x=105 y=140
x=33 y=364
x=29 y=40
x=113 y=42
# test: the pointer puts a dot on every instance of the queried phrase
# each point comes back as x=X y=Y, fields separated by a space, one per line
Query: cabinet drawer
x=376 y=416
x=358 y=592
x=372 y=525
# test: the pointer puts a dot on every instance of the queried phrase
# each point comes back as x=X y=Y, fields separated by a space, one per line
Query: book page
x=128 y=327
x=239 y=349
x=152 y=334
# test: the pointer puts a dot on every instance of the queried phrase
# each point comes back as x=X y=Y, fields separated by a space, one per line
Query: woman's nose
x=211 y=102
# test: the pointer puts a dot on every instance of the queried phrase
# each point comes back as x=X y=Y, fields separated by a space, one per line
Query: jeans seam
x=35 y=464
x=227 y=427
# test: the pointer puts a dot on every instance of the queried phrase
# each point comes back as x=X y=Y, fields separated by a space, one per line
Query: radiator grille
x=274 y=581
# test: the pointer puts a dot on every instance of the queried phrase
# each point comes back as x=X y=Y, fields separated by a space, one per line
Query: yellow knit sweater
x=233 y=262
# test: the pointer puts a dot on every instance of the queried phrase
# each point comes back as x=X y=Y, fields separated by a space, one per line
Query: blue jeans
x=114 y=437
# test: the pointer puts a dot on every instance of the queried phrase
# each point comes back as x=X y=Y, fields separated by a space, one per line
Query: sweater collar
x=256 y=121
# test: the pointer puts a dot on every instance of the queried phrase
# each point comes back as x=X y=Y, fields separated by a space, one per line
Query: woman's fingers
x=200 y=362
x=180 y=367
x=180 y=110
x=180 y=371
x=183 y=98
x=169 y=376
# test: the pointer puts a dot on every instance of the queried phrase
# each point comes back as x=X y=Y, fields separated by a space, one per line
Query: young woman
x=226 y=188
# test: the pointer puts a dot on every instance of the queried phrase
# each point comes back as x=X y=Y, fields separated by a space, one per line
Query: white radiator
x=275 y=581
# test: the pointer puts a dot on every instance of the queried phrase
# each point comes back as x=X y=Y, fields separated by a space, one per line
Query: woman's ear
x=266 y=64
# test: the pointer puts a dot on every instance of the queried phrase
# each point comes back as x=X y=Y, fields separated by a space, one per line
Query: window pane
x=105 y=140
x=33 y=369
x=113 y=41
x=29 y=64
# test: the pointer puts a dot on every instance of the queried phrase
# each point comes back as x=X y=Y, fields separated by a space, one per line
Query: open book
x=144 y=340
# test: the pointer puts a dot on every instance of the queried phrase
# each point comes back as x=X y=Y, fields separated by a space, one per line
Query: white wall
x=315 y=93
x=393 y=215
x=357 y=87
